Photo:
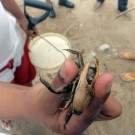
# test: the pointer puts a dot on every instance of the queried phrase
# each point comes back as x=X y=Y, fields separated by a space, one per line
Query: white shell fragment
x=104 y=47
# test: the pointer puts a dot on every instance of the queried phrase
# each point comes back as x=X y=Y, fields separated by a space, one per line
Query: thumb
x=102 y=90
x=103 y=85
x=66 y=74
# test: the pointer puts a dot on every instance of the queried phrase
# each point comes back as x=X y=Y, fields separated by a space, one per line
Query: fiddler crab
x=81 y=88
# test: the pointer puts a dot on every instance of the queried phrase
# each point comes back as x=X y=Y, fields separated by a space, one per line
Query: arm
x=13 y=8
x=12 y=101
x=38 y=104
x=18 y=102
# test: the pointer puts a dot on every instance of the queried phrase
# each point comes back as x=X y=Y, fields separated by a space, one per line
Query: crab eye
x=91 y=74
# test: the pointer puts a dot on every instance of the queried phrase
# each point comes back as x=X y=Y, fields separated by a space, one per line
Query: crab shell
x=84 y=91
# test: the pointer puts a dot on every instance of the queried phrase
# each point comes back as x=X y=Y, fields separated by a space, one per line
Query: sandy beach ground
x=87 y=31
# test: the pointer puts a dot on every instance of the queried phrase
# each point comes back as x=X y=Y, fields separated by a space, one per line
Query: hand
x=43 y=105
x=23 y=22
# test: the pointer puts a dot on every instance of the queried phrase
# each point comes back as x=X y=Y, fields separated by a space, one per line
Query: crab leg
x=79 y=55
x=63 y=89
x=67 y=105
x=68 y=116
x=72 y=95
x=92 y=71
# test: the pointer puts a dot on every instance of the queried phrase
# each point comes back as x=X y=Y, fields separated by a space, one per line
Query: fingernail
x=62 y=73
x=108 y=87
x=107 y=94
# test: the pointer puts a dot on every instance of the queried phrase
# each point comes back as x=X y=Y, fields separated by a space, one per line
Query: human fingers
x=102 y=90
x=111 y=109
x=66 y=74
x=32 y=33
x=48 y=102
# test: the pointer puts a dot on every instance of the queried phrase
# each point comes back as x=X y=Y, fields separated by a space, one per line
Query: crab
x=81 y=88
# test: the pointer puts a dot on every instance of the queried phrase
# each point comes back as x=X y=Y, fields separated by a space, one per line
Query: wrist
x=22 y=107
x=32 y=104
x=27 y=103
x=12 y=102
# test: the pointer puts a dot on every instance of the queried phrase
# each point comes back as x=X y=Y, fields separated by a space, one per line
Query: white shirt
x=11 y=44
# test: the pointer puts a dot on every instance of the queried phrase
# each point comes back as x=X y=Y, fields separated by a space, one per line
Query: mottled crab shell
x=84 y=91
